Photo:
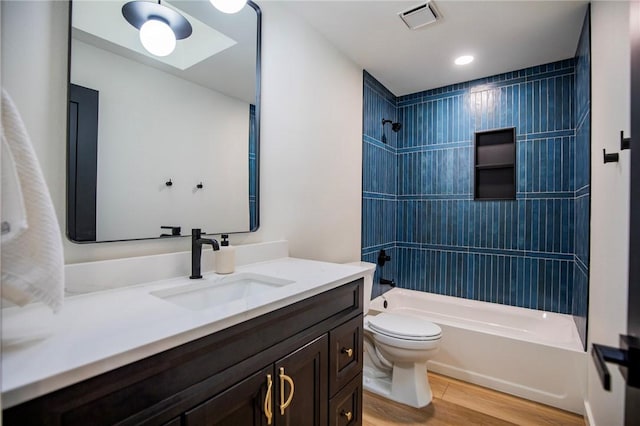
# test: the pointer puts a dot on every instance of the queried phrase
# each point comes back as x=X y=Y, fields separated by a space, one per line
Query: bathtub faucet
x=385 y=281
x=383 y=258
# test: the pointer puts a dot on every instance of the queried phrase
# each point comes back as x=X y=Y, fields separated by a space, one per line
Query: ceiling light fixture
x=159 y=26
x=156 y=36
x=464 y=60
x=229 y=6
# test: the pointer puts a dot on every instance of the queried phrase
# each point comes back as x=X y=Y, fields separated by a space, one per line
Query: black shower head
x=394 y=126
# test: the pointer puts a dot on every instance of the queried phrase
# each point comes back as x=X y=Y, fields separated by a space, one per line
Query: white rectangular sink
x=208 y=293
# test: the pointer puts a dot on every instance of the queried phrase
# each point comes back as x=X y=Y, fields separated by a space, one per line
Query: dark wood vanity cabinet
x=296 y=366
x=253 y=401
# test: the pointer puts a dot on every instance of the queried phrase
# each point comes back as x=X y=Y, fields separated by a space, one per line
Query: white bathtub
x=532 y=354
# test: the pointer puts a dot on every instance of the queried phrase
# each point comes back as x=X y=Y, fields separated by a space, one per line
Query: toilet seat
x=403 y=327
x=403 y=332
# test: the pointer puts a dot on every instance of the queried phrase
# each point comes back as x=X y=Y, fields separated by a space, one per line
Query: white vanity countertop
x=98 y=332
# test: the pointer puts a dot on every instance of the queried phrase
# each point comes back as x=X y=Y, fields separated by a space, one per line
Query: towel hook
x=168 y=183
x=613 y=157
x=625 y=143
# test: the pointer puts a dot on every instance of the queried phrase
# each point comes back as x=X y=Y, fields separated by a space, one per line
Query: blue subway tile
x=518 y=252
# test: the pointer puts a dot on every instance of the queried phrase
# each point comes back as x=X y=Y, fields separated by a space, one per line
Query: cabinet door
x=307 y=369
x=241 y=405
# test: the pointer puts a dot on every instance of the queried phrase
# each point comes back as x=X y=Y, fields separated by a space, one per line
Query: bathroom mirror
x=160 y=145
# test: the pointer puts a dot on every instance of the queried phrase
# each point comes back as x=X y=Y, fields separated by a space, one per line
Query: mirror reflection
x=159 y=145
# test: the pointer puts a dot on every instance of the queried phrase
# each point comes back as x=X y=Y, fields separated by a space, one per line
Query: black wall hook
x=200 y=185
x=625 y=143
x=610 y=158
x=168 y=183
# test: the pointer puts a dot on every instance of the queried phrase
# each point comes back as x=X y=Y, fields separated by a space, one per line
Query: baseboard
x=588 y=414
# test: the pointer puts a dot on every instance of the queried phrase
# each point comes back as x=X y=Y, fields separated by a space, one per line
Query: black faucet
x=196 y=251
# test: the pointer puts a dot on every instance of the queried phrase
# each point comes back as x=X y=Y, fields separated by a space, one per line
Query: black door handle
x=627 y=358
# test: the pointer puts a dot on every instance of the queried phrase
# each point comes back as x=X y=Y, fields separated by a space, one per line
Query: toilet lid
x=402 y=326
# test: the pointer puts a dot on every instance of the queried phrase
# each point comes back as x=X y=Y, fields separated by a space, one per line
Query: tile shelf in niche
x=495 y=166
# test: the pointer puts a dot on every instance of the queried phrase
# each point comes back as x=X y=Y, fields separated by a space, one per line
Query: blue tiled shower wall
x=583 y=179
x=515 y=252
x=379 y=179
x=418 y=189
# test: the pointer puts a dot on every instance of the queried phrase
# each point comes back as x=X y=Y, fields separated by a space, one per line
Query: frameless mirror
x=160 y=145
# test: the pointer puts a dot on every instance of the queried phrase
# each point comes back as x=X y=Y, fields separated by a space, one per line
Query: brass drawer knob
x=347 y=414
x=349 y=352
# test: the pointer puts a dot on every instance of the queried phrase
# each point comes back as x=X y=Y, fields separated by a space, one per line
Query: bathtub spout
x=385 y=281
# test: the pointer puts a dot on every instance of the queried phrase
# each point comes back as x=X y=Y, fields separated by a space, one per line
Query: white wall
x=152 y=127
x=609 y=200
x=311 y=154
x=36 y=81
x=311 y=176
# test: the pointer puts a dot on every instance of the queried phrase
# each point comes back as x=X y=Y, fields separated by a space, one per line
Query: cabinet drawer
x=345 y=353
x=346 y=407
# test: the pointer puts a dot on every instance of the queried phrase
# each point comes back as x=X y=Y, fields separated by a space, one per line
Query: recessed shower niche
x=495 y=165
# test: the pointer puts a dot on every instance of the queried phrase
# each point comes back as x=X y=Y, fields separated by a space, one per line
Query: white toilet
x=396 y=350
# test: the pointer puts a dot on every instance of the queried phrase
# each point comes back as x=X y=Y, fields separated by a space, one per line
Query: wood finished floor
x=460 y=403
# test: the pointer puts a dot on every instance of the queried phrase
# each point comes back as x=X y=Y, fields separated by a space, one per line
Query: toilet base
x=408 y=384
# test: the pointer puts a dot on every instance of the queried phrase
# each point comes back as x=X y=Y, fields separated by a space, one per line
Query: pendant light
x=159 y=26
x=229 y=6
x=157 y=37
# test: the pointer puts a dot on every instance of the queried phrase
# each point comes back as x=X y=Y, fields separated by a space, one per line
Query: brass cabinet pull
x=347 y=414
x=267 y=401
x=349 y=352
x=284 y=404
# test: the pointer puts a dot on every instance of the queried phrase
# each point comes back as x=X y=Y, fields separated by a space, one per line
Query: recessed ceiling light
x=464 y=60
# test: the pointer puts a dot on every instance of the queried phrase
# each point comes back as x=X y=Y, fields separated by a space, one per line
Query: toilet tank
x=370 y=269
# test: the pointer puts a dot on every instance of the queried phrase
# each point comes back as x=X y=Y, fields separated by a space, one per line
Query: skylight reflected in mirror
x=98 y=22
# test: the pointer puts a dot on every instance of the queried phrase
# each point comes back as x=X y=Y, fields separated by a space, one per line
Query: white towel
x=13 y=212
x=32 y=262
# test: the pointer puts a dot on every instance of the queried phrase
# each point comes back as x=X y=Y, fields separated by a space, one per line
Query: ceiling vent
x=419 y=16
